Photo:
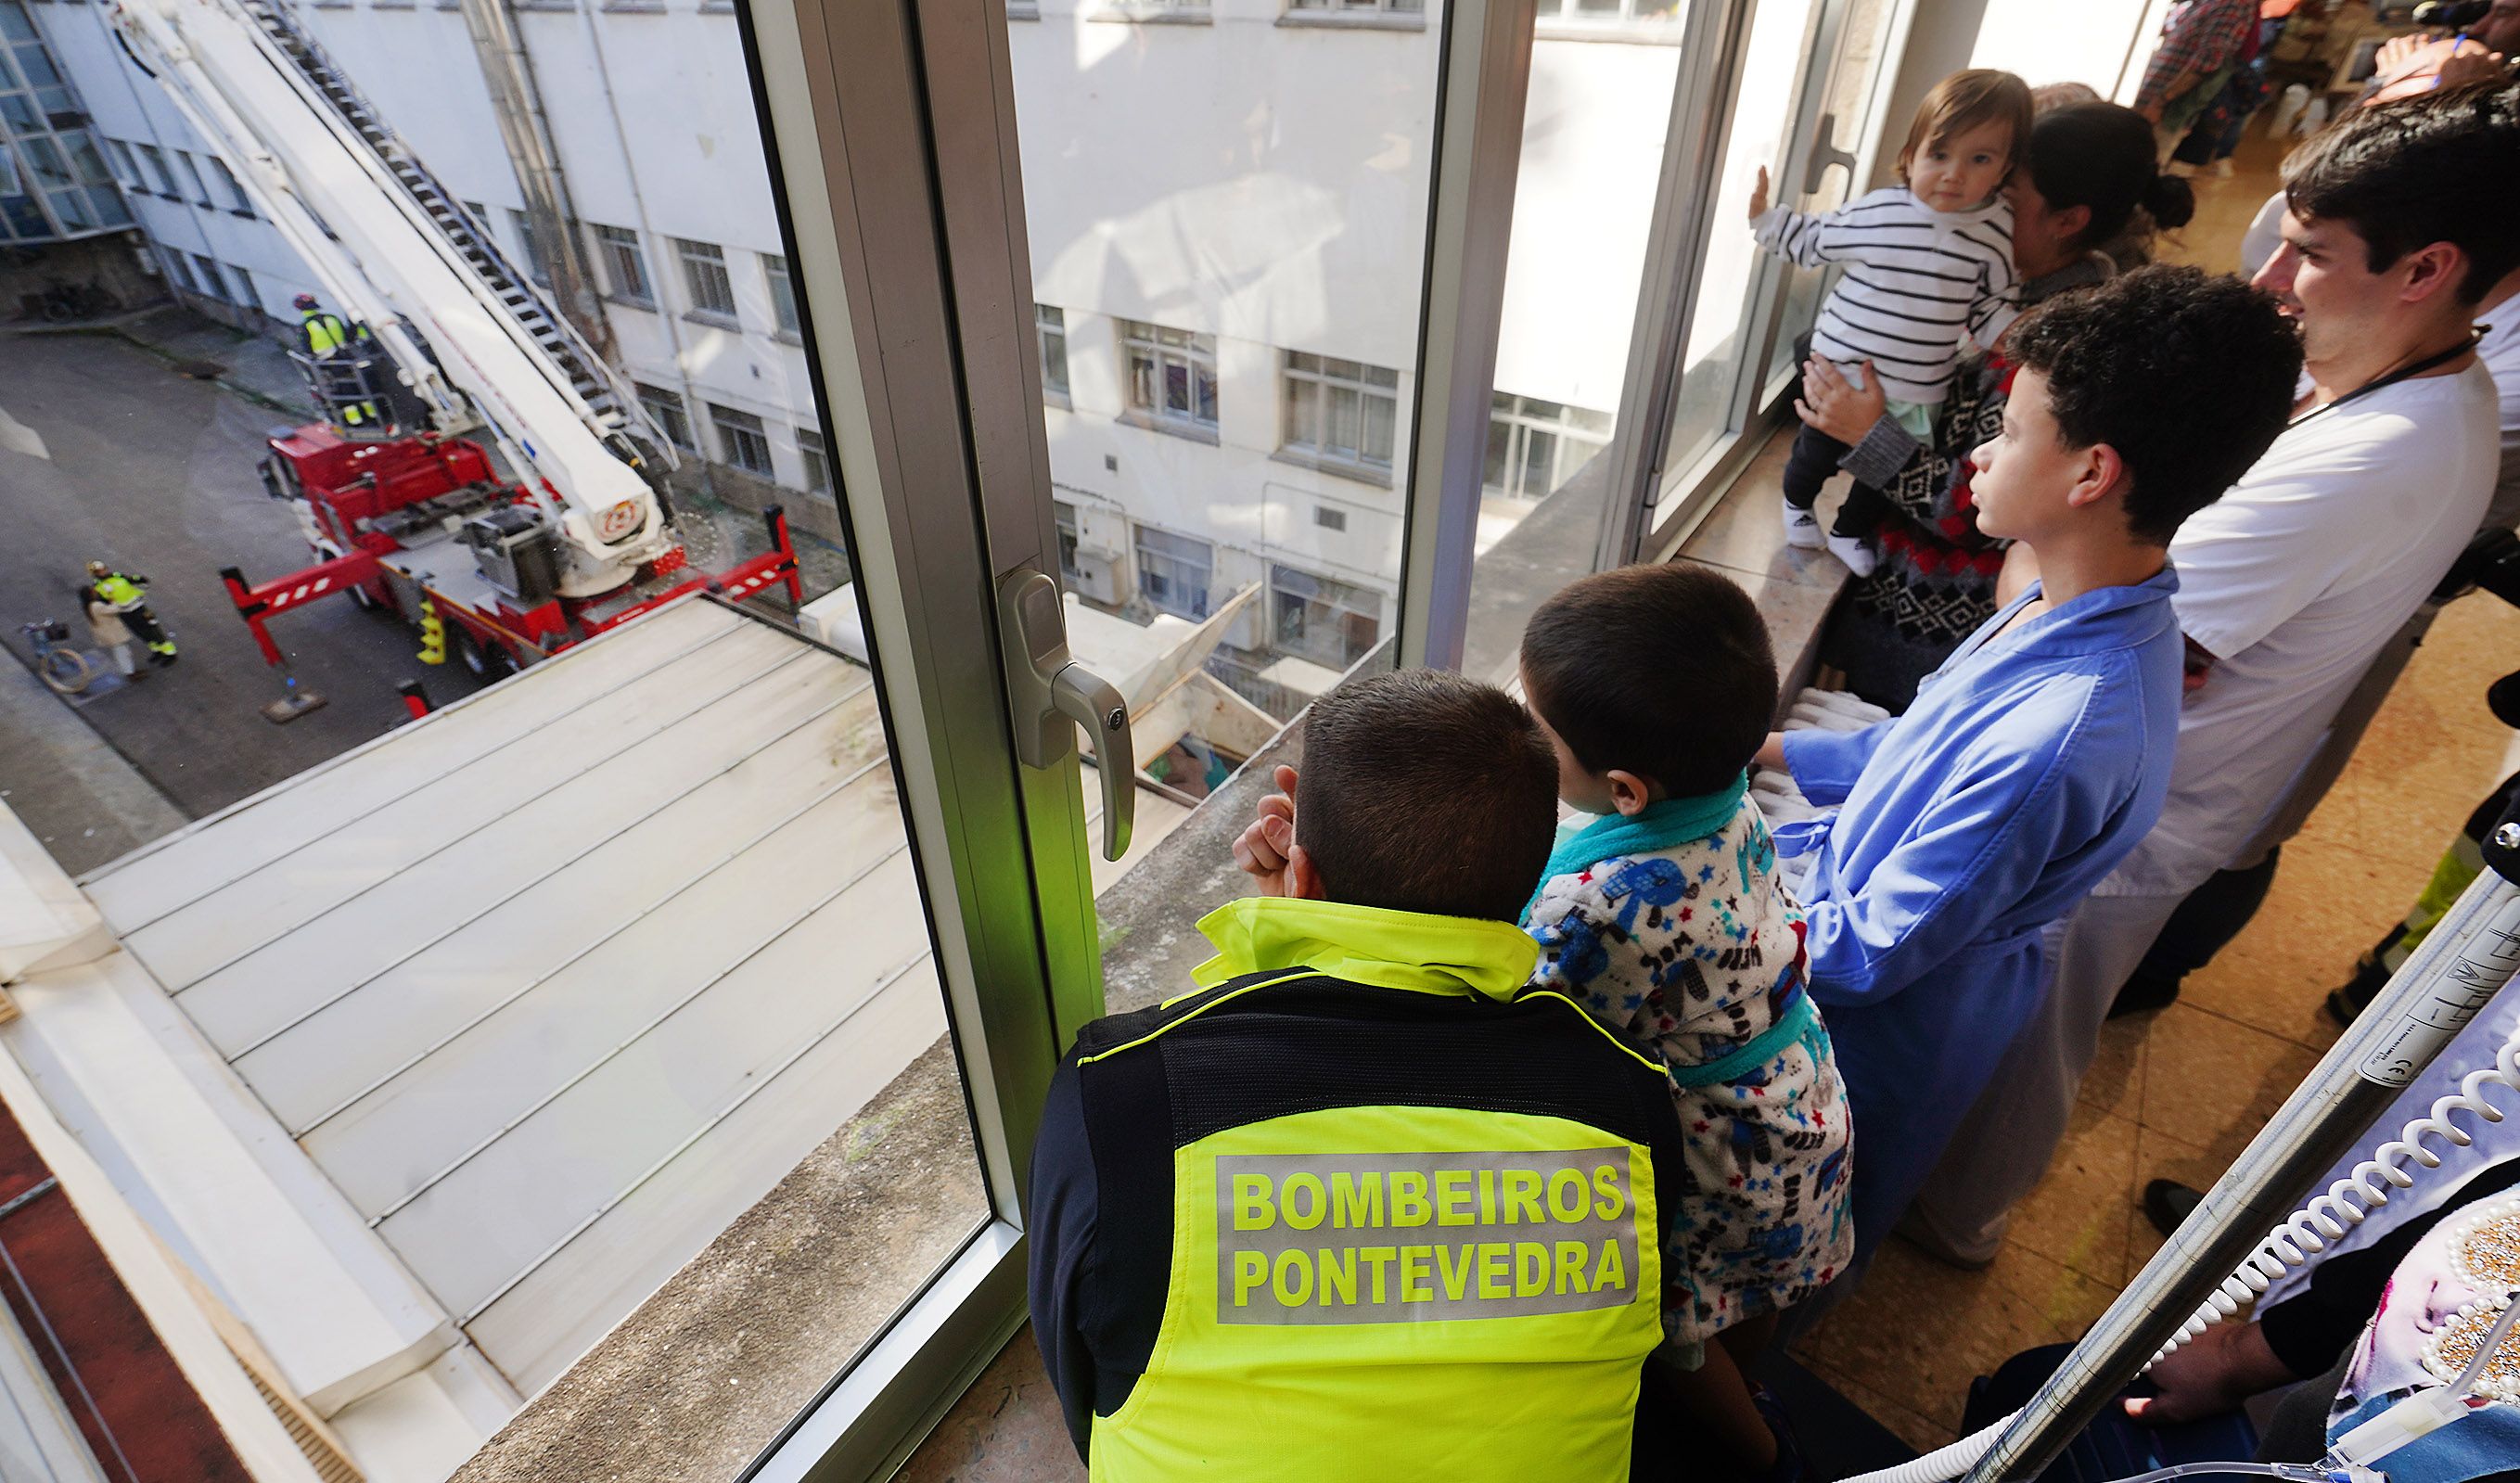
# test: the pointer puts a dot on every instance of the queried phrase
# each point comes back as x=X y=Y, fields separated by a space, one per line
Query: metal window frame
x=1484 y=81
x=890 y=130
x=1704 y=104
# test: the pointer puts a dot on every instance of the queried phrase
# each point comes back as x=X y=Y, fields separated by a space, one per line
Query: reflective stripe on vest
x=1399 y=1292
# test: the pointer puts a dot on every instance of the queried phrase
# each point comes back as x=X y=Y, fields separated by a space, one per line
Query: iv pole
x=2458 y=971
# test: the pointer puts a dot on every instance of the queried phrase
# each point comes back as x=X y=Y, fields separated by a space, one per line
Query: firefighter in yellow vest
x=127 y=597
x=1359 y=1207
x=327 y=334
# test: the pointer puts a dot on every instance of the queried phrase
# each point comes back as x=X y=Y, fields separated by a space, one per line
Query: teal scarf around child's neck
x=1652 y=828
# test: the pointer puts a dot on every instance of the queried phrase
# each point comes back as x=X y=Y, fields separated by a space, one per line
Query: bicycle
x=63 y=669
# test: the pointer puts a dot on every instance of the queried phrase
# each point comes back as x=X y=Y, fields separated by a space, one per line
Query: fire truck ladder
x=595 y=381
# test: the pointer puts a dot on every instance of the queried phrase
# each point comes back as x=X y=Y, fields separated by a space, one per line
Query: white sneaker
x=1802 y=528
x=1852 y=550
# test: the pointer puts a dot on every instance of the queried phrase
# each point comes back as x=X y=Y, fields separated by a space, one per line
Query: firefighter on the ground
x=328 y=336
x=1359 y=1195
x=127 y=597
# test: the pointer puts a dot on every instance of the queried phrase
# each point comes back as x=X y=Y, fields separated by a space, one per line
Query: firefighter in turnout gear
x=329 y=336
x=127 y=597
x=1359 y=1205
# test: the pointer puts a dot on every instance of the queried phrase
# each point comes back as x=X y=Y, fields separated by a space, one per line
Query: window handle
x=1826 y=152
x=1051 y=694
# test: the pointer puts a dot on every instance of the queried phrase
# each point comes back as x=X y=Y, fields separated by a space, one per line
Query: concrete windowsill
x=788 y=337
x=620 y=302
x=1018 y=10
x=1051 y=397
x=1356 y=21
x=1375 y=476
x=1196 y=432
x=713 y=321
x=1617 y=32
x=1151 y=15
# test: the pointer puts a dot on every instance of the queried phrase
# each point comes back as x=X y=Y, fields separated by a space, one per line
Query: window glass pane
x=625 y=267
x=1051 y=326
x=1851 y=89
x=783 y=293
x=1720 y=344
x=1594 y=136
x=579 y=1051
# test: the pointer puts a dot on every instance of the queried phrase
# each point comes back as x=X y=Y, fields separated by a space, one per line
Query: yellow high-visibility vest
x=1402 y=1290
x=325 y=333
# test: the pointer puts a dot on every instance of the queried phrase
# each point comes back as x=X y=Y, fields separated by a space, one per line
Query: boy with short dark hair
x=1361 y=1199
x=1664 y=917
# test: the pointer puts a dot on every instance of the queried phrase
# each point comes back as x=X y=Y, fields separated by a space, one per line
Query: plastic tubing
x=2347 y=1203
x=2293 y=1473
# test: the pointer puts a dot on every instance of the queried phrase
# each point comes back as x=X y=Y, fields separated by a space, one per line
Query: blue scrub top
x=2028 y=767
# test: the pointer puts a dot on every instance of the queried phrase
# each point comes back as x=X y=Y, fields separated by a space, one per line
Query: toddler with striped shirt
x=1928 y=269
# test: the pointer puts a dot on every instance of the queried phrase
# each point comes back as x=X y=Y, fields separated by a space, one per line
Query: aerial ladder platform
x=570 y=531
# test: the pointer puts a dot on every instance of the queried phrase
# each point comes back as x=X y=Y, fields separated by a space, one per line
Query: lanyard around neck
x=2403 y=373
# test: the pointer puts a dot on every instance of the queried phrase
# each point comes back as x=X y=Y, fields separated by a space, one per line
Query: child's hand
x=1759 y=196
x=1264 y=846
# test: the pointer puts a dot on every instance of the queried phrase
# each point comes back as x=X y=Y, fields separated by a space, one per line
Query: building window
x=1534 y=447
x=1332 y=623
x=783 y=293
x=193 y=174
x=625 y=266
x=1051 y=326
x=704 y=278
x=246 y=293
x=817 y=464
x=524 y=226
x=1368 y=7
x=1066 y=514
x=1341 y=412
x=666 y=410
x=235 y=187
x=1172 y=374
x=180 y=271
x=158 y=171
x=125 y=168
x=742 y=441
x=1174 y=570
x=212 y=284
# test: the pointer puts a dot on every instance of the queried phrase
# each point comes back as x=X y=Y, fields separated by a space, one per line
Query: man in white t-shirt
x=2400 y=219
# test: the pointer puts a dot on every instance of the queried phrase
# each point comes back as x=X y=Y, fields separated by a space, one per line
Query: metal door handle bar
x=1049 y=694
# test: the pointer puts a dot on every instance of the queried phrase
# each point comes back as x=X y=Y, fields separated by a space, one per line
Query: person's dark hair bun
x=2171 y=201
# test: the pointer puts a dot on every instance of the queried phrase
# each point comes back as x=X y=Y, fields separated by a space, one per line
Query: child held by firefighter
x=1664 y=918
x=1928 y=268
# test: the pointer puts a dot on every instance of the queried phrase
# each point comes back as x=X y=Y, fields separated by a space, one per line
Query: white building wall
x=1251 y=179
x=128 y=107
